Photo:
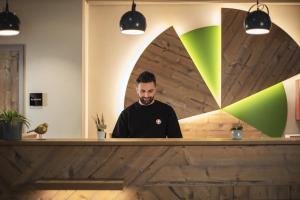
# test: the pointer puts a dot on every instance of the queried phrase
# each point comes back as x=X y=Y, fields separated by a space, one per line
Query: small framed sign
x=36 y=99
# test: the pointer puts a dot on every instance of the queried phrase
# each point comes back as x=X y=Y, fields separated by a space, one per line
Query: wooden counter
x=151 y=142
x=150 y=169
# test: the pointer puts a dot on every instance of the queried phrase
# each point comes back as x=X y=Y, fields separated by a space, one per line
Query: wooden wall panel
x=297 y=92
x=154 y=172
x=215 y=124
x=251 y=63
x=178 y=81
x=9 y=80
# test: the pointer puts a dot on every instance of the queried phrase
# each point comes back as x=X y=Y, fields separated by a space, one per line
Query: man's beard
x=146 y=100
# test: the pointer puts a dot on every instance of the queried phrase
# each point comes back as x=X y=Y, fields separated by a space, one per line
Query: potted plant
x=237 y=131
x=101 y=126
x=11 y=124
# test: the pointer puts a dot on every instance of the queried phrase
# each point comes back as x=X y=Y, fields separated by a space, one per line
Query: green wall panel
x=204 y=47
x=266 y=110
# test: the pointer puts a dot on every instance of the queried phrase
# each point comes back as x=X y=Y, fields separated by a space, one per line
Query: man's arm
x=121 y=127
x=173 y=128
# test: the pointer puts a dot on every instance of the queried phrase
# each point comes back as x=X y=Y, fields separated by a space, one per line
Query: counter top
x=152 y=142
x=150 y=168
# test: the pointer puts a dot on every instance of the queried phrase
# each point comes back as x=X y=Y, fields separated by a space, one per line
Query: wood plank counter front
x=150 y=169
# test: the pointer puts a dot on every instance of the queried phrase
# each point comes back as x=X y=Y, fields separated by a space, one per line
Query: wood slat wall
x=178 y=81
x=155 y=172
x=9 y=80
x=251 y=63
x=216 y=124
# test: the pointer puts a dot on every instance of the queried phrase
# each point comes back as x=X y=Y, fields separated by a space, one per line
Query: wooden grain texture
x=251 y=63
x=9 y=79
x=77 y=184
x=154 y=172
x=179 y=83
x=112 y=142
x=215 y=124
x=297 y=99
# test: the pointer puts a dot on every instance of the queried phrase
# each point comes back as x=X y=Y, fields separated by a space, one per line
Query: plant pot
x=11 y=132
x=237 y=134
x=101 y=135
x=1 y=132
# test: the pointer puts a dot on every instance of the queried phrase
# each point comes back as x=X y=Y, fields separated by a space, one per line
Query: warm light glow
x=133 y=56
x=85 y=71
x=257 y=31
x=288 y=136
x=75 y=193
x=219 y=52
x=197 y=117
x=133 y=32
x=9 y=32
x=292 y=126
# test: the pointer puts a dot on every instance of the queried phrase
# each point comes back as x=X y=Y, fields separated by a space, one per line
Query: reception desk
x=150 y=169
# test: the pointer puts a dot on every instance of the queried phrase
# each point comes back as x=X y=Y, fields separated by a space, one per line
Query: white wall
x=52 y=34
x=292 y=125
x=111 y=55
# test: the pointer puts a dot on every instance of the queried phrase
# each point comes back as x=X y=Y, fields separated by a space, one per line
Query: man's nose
x=146 y=94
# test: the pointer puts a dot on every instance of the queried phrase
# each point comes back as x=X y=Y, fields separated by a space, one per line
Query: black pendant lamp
x=9 y=23
x=133 y=22
x=258 y=22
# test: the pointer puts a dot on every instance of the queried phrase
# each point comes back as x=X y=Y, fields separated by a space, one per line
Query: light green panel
x=266 y=110
x=204 y=47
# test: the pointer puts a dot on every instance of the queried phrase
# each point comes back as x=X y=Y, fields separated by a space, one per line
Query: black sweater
x=157 y=120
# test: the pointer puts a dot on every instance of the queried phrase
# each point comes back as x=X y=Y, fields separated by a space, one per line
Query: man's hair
x=146 y=77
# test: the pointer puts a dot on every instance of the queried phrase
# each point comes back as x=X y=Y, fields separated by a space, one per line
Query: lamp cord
x=6 y=8
x=133 y=6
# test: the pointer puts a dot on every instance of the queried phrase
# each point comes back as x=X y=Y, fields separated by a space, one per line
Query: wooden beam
x=151 y=142
x=77 y=185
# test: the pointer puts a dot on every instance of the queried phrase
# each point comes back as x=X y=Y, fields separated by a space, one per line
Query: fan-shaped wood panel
x=216 y=124
x=251 y=63
x=178 y=81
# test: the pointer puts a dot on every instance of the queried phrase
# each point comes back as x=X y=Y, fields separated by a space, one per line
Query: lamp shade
x=133 y=22
x=258 y=22
x=9 y=23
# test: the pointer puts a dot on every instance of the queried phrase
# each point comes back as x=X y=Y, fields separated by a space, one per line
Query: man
x=147 y=118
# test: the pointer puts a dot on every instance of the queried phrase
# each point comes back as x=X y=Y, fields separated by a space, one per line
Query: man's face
x=146 y=92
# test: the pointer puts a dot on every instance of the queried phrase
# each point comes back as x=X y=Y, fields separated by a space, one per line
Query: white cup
x=101 y=135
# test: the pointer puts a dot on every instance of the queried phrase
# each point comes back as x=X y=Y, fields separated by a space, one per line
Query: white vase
x=101 y=135
x=237 y=134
